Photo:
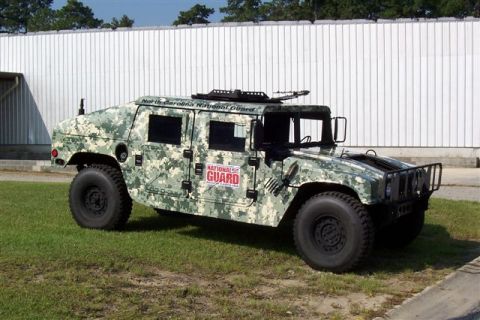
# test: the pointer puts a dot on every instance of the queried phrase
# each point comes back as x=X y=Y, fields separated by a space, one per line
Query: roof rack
x=246 y=96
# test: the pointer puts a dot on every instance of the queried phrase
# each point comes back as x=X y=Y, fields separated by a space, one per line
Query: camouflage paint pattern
x=97 y=132
x=157 y=180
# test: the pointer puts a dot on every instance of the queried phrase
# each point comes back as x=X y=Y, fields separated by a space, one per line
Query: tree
x=15 y=15
x=37 y=15
x=256 y=10
x=278 y=10
x=43 y=20
x=456 y=8
x=75 y=15
x=476 y=9
x=242 y=10
x=199 y=13
x=125 y=22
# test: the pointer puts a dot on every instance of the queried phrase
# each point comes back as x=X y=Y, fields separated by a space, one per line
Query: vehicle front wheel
x=99 y=198
x=334 y=232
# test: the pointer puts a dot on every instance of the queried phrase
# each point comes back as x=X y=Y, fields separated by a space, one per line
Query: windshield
x=297 y=130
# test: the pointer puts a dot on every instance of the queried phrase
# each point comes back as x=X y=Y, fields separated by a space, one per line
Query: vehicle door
x=223 y=164
x=161 y=135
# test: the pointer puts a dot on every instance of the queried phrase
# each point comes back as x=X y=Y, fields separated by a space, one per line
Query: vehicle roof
x=227 y=106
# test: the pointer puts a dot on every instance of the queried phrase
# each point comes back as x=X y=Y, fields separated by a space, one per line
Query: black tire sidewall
x=85 y=179
x=322 y=207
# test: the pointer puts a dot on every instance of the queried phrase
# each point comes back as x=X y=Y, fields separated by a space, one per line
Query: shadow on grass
x=434 y=248
x=213 y=229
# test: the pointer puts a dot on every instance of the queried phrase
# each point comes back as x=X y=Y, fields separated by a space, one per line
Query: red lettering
x=210 y=176
x=222 y=177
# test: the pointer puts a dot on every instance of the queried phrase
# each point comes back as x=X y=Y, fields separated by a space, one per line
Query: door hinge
x=187 y=185
x=252 y=194
x=254 y=162
x=138 y=160
x=198 y=169
x=188 y=153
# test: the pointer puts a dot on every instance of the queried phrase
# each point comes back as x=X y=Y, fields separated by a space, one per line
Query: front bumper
x=406 y=191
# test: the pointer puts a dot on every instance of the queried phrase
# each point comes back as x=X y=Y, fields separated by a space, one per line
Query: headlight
x=388 y=190
x=414 y=182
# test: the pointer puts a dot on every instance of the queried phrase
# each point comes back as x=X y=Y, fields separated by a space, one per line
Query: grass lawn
x=177 y=267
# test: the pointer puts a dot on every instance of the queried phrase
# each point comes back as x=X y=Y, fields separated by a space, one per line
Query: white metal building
x=402 y=84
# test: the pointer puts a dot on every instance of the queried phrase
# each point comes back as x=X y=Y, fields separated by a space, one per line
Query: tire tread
x=365 y=219
x=125 y=205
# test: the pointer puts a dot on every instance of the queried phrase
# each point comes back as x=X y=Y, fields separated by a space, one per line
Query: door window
x=165 y=129
x=226 y=136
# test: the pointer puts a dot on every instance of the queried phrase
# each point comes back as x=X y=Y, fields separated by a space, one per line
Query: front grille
x=411 y=183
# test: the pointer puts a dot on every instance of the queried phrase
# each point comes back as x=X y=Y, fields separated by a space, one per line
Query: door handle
x=198 y=169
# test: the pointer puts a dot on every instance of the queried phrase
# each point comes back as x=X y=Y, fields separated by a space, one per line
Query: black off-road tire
x=334 y=232
x=403 y=231
x=99 y=198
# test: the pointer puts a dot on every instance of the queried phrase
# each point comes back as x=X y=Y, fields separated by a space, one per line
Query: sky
x=146 y=12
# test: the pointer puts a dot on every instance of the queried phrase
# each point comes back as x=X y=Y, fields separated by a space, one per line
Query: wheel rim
x=95 y=201
x=329 y=235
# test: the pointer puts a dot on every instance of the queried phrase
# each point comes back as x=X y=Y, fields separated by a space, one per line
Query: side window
x=165 y=129
x=226 y=136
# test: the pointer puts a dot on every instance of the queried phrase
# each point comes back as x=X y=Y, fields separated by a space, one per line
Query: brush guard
x=406 y=185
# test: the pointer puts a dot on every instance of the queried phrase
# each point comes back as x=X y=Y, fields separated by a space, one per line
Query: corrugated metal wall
x=400 y=83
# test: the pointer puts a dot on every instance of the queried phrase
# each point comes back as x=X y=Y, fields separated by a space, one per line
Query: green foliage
x=276 y=10
x=197 y=14
x=15 y=15
x=42 y=20
x=242 y=10
x=124 y=22
x=75 y=15
x=37 y=15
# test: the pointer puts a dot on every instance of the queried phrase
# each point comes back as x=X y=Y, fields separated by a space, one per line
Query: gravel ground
x=457 y=183
x=35 y=176
x=458 y=193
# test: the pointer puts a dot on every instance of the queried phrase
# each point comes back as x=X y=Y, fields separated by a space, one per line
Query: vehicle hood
x=362 y=173
x=111 y=123
x=369 y=164
x=332 y=163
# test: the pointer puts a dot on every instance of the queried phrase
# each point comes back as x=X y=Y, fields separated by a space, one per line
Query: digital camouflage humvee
x=245 y=157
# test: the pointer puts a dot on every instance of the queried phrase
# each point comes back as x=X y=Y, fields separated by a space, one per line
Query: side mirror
x=256 y=135
x=340 y=125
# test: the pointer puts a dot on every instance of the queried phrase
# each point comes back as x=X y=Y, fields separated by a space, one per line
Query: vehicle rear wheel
x=334 y=232
x=99 y=198
x=403 y=231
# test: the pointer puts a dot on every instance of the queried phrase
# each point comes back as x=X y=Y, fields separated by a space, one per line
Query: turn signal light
x=54 y=153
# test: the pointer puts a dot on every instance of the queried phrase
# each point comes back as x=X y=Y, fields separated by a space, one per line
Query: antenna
x=290 y=94
x=81 y=111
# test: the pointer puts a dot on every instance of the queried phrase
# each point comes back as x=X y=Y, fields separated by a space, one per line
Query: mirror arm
x=335 y=133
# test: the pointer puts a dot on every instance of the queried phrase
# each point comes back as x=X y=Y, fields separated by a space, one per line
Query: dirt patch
x=349 y=306
x=238 y=295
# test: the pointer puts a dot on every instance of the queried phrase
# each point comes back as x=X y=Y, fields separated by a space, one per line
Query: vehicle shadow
x=254 y=236
x=434 y=248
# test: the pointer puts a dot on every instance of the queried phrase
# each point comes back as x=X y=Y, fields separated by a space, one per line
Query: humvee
x=245 y=157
